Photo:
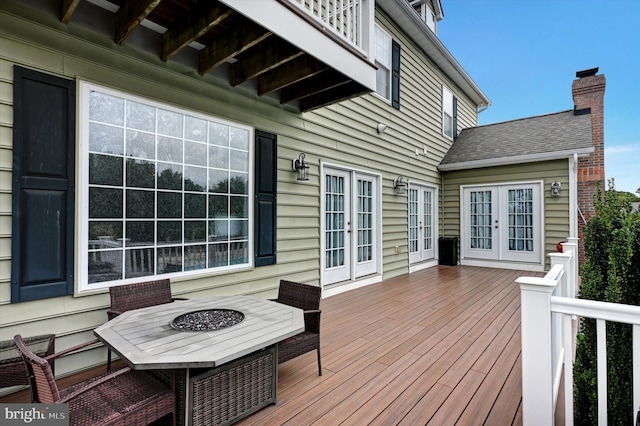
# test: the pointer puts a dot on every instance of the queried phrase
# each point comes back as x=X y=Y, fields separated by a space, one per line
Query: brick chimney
x=588 y=94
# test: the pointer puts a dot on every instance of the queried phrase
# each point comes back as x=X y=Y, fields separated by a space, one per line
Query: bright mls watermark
x=34 y=414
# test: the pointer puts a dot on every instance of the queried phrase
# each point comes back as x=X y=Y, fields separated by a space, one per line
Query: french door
x=422 y=223
x=503 y=222
x=351 y=225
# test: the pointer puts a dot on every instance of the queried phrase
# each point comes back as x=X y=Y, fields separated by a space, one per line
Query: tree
x=611 y=273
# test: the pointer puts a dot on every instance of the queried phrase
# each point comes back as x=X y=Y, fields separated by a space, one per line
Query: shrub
x=611 y=273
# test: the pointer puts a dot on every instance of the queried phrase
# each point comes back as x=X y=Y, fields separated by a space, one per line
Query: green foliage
x=611 y=273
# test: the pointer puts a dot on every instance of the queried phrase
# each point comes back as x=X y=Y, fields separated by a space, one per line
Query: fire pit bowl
x=207 y=320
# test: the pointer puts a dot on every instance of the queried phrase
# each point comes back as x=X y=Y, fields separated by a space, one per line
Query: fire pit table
x=220 y=352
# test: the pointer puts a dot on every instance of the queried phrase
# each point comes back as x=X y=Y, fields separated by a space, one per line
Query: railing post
x=537 y=370
x=572 y=246
x=563 y=259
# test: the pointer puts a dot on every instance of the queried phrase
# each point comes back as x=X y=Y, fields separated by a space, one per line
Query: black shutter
x=265 y=199
x=395 y=74
x=455 y=117
x=43 y=186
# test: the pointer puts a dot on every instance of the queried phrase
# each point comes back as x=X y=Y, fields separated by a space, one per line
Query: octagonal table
x=221 y=375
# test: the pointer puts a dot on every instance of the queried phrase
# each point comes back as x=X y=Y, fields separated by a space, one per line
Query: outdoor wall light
x=381 y=128
x=555 y=189
x=399 y=185
x=300 y=167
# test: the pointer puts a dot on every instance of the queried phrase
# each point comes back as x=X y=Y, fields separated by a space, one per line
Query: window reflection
x=168 y=191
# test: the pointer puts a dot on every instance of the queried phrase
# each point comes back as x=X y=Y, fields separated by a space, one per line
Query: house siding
x=341 y=134
x=556 y=209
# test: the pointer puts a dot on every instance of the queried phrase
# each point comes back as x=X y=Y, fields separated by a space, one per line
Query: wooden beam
x=332 y=96
x=193 y=27
x=130 y=15
x=313 y=85
x=262 y=58
x=231 y=44
x=67 y=9
x=289 y=73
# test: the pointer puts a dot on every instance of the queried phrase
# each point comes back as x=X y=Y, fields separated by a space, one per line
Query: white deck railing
x=549 y=307
x=344 y=18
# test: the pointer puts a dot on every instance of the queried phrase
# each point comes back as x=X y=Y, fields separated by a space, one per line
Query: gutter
x=518 y=159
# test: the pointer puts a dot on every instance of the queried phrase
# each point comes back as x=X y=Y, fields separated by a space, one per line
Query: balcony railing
x=344 y=18
x=549 y=307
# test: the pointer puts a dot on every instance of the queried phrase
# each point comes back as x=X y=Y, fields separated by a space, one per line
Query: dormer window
x=430 y=11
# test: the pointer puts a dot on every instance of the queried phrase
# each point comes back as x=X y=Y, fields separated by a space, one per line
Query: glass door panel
x=337 y=227
x=481 y=221
x=421 y=223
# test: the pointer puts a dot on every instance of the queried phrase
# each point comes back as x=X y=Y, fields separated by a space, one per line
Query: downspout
x=573 y=196
x=441 y=204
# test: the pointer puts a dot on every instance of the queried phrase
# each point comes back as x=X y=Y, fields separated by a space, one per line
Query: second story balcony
x=303 y=53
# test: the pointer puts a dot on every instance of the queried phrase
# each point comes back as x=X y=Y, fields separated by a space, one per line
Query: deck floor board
x=437 y=347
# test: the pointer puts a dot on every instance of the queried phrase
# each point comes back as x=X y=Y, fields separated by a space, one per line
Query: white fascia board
x=285 y=23
x=518 y=159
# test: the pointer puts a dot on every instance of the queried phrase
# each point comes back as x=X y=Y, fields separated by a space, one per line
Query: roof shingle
x=516 y=141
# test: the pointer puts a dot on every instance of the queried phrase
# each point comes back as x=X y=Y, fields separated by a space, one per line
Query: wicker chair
x=135 y=296
x=12 y=368
x=122 y=397
x=307 y=298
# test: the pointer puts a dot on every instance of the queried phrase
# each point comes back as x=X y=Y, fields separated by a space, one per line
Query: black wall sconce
x=399 y=185
x=555 y=189
x=300 y=167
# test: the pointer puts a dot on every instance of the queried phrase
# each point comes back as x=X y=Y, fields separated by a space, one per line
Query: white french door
x=422 y=225
x=351 y=224
x=503 y=222
x=482 y=222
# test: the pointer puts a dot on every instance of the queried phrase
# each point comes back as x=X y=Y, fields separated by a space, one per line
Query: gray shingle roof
x=527 y=139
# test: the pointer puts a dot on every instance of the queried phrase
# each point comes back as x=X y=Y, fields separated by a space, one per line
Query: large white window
x=163 y=190
x=447 y=112
x=383 y=61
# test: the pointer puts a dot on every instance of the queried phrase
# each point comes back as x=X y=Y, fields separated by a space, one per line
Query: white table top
x=145 y=340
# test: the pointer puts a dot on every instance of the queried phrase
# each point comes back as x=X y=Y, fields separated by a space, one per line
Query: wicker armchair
x=307 y=298
x=135 y=296
x=122 y=397
x=12 y=369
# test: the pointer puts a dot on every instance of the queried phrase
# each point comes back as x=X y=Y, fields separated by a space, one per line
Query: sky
x=524 y=54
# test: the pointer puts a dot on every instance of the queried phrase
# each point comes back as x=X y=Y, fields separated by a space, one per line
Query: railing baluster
x=568 y=369
x=636 y=370
x=349 y=17
x=601 y=333
x=342 y=17
x=359 y=24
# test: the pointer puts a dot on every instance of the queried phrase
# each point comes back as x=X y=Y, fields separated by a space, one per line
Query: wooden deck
x=439 y=347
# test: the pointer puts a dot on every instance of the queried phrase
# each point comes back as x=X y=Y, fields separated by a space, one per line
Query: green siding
x=556 y=209
x=343 y=134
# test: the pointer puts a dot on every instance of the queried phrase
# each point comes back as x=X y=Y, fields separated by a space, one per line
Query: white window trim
x=82 y=200
x=446 y=93
x=389 y=82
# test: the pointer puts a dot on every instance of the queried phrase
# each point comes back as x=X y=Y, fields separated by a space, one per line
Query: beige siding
x=342 y=134
x=556 y=209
